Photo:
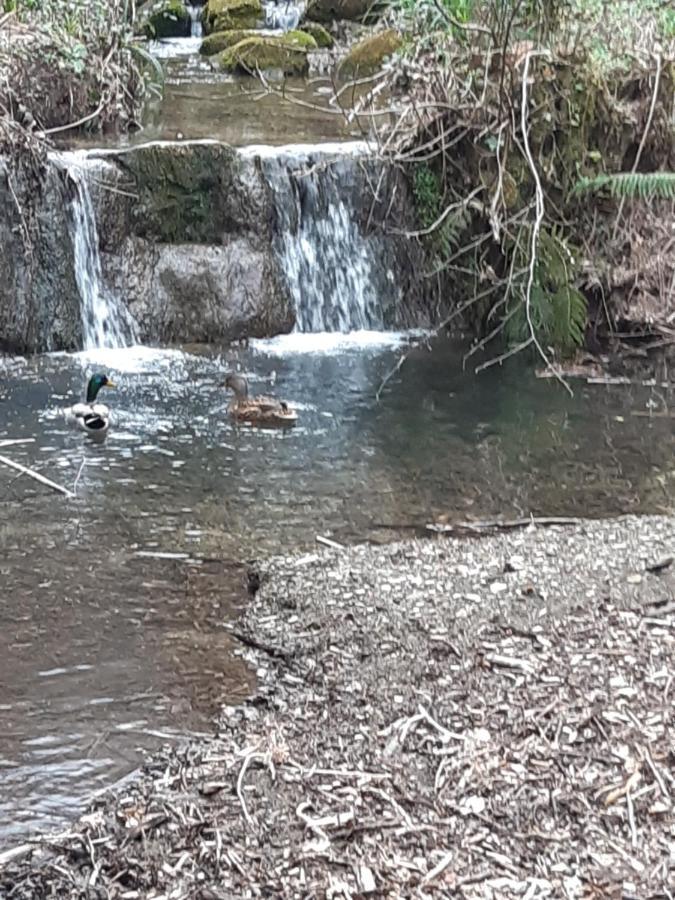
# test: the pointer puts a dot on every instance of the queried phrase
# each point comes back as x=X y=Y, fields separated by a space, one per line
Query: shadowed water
x=106 y=642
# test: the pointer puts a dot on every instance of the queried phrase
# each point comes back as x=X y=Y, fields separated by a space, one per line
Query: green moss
x=322 y=37
x=181 y=190
x=221 y=40
x=226 y=15
x=367 y=56
x=168 y=18
x=287 y=53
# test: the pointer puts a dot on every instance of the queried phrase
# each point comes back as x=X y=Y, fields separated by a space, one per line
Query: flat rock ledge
x=476 y=718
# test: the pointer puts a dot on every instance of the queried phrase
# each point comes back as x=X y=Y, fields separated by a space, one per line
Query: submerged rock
x=221 y=40
x=287 y=53
x=356 y=10
x=324 y=39
x=368 y=55
x=224 y=15
x=167 y=18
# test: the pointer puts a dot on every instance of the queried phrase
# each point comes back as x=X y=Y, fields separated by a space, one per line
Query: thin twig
x=36 y=476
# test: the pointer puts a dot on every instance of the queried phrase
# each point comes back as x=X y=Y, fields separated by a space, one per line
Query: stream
x=114 y=603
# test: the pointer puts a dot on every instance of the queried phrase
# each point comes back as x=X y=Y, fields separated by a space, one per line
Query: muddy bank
x=476 y=718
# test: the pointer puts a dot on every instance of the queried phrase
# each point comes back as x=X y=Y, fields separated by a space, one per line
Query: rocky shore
x=478 y=718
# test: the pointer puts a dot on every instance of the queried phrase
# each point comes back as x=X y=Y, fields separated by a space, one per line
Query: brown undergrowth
x=499 y=123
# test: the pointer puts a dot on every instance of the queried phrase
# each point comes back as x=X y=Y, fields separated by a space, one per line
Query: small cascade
x=334 y=271
x=105 y=321
x=195 y=12
x=283 y=15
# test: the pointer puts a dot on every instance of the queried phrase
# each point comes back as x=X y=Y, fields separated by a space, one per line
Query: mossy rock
x=323 y=38
x=367 y=56
x=228 y=15
x=168 y=18
x=221 y=40
x=287 y=53
x=356 y=10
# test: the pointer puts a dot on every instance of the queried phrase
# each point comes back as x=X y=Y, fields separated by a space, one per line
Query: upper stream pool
x=108 y=645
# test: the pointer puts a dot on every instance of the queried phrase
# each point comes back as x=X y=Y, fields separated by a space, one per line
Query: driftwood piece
x=36 y=476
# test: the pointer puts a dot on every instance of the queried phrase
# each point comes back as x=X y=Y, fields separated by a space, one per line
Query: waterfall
x=105 y=321
x=283 y=15
x=336 y=274
x=195 y=12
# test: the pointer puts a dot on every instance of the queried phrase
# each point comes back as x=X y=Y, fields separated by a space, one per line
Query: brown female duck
x=257 y=410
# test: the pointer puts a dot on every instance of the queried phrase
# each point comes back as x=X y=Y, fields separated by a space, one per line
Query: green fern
x=632 y=185
x=558 y=310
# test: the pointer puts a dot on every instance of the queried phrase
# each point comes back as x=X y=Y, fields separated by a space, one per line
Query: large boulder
x=356 y=10
x=286 y=53
x=221 y=40
x=367 y=57
x=192 y=254
x=166 y=18
x=225 y=15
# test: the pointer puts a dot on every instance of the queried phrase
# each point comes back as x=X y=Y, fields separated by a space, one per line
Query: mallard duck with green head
x=256 y=410
x=91 y=417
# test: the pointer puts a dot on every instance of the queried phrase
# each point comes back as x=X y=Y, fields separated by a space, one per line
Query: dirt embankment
x=479 y=718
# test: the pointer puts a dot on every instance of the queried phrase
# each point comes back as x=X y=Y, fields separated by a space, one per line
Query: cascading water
x=195 y=12
x=283 y=15
x=105 y=321
x=334 y=271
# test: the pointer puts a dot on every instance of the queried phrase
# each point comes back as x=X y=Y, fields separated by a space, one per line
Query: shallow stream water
x=113 y=603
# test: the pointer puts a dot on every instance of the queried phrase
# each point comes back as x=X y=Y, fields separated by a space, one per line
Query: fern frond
x=632 y=185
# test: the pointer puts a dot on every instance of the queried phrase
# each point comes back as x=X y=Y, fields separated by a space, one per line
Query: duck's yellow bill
x=110 y=384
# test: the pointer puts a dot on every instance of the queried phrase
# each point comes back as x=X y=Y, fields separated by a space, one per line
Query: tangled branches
x=497 y=118
x=64 y=66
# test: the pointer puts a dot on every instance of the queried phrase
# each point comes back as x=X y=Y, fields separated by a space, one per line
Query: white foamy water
x=166 y=48
x=325 y=253
x=105 y=320
x=333 y=342
x=136 y=358
x=195 y=12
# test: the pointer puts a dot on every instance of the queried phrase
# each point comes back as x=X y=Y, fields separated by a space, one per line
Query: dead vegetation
x=65 y=67
x=501 y=119
x=487 y=718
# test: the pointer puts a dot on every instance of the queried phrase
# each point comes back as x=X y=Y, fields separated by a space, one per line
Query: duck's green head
x=96 y=382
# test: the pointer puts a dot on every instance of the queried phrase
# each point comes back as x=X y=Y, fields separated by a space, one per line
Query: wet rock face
x=222 y=15
x=356 y=10
x=166 y=18
x=39 y=302
x=191 y=253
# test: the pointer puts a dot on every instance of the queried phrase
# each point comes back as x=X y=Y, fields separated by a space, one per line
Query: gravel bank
x=447 y=718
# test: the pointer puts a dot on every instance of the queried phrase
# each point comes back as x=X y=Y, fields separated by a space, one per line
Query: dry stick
x=643 y=141
x=536 y=228
x=35 y=475
x=10 y=442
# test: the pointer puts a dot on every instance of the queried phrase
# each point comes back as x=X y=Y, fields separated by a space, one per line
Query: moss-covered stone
x=221 y=40
x=367 y=56
x=356 y=10
x=323 y=38
x=287 y=53
x=167 y=18
x=226 y=15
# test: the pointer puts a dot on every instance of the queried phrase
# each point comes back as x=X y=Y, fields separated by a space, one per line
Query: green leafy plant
x=558 y=310
x=429 y=203
x=631 y=185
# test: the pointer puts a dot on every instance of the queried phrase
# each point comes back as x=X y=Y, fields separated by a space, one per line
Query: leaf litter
x=476 y=718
